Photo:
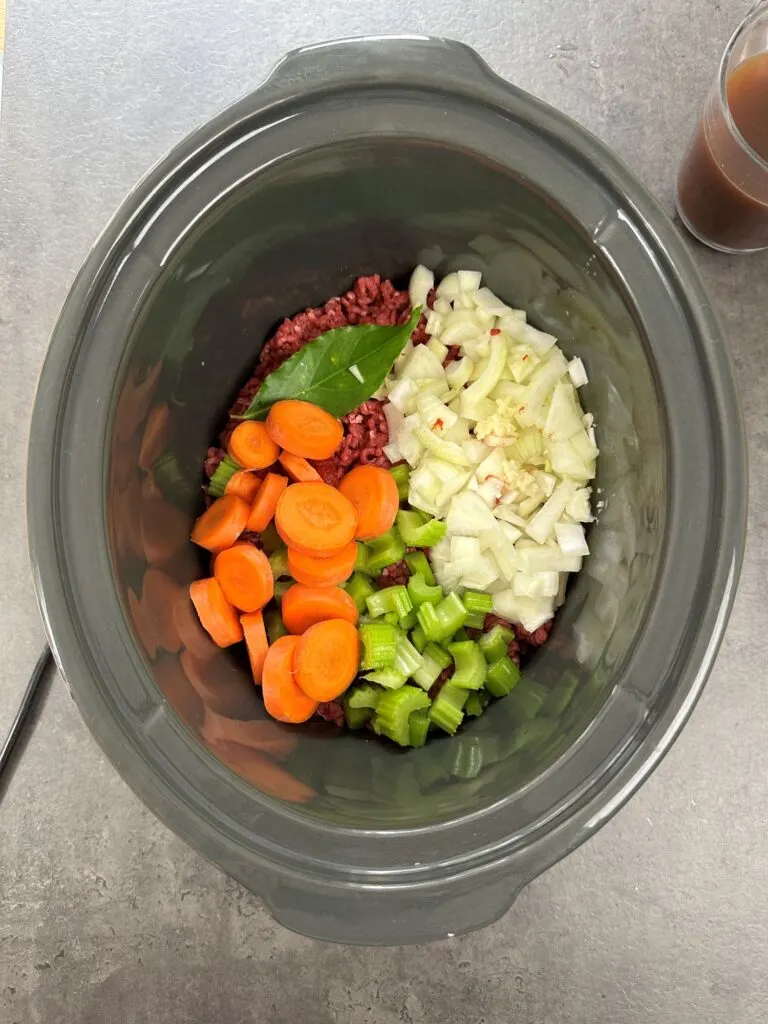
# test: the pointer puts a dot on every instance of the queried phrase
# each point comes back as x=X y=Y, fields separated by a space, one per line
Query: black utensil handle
x=26 y=703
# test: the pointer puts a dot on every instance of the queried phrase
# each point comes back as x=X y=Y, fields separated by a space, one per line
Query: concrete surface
x=106 y=916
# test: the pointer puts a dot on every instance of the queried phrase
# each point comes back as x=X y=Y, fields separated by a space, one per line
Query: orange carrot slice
x=303 y=606
x=323 y=572
x=221 y=524
x=217 y=616
x=373 y=493
x=302 y=428
x=315 y=519
x=245 y=483
x=245 y=576
x=327 y=659
x=256 y=641
x=265 y=503
x=298 y=469
x=251 y=446
x=282 y=697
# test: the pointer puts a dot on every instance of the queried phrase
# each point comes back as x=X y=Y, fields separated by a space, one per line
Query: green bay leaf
x=320 y=372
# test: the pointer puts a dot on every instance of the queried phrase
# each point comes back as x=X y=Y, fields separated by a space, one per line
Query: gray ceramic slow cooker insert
x=358 y=157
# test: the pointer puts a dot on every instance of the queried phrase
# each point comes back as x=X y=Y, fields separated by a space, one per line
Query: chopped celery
x=461 y=636
x=280 y=588
x=361 y=559
x=274 y=624
x=419 y=639
x=278 y=560
x=495 y=643
x=418 y=534
x=362 y=695
x=356 y=717
x=470 y=664
x=394 y=710
x=467 y=757
x=560 y=696
x=417 y=561
x=441 y=621
x=407 y=622
x=379 y=641
x=418 y=727
x=421 y=592
x=383 y=551
x=392 y=599
x=525 y=700
x=407 y=658
x=359 y=588
x=401 y=473
x=446 y=711
x=476 y=703
x=434 y=660
x=224 y=473
x=475 y=620
x=392 y=618
x=270 y=539
x=477 y=602
x=502 y=676
x=390 y=678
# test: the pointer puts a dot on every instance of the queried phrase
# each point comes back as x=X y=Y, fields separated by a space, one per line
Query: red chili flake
x=438 y=425
x=495 y=331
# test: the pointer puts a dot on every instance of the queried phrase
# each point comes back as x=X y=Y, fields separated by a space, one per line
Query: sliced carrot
x=217 y=616
x=373 y=492
x=298 y=469
x=156 y=435
x=145 y=628
x=263 y=508
x=245 y=483
x=192 y=635
x=315 y=519
x=264 y=735
x=159 y=596
x=221 y=684
x=245 y=577
x=302 y=428
x=221 y=524
x=164 y=530
x=282 y=697
x=264 y=774
x=323 y=572
x=175 y=687
x=327 y=659
x=256 y=641
x=251 y=446
x=302 y=606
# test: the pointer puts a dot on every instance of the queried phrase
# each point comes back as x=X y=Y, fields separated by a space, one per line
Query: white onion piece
x=421 y=283
x=490 y=303
x=468 y=515
x=578 y=373
x=459 y=371
x=423 y=365
x=448 y=287
x=438 y=348
x=570 y=538
x=434 y=322
x=579 y=506
x=469 y=280
x=543 y=523
x=448 y=450
x=392 y=451
x=528 y=612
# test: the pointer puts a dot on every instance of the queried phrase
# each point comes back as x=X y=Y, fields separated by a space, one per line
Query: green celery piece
x=407 y=658
x=407 y=622
x=383 y=551
x=379 y=641
x=356 y=717
x=525 y=701
x=274 y=624
x=418 y=638
x=270 y=539
x=401 y=474
x=281 y=586
x=435 y=660
x=503 y=675
x=362 y=695
x=467 y=757
x=392 y=618
x=361 y=559
x=278 y=560
x=495 y=643
x=392 y=599
x=224 y=473
x=418 y=727
x=441 y=621
x=475 y=620
x=417 y=561
x=420 y=591
x=320 y=371
x=359 y=588
x=474 y=601
x=416 y=533
x=394 y=710
x=476 y=704
x=560 y=696
x=470 y=664
x=446 y=710
x=390 y=678
x=461 y=636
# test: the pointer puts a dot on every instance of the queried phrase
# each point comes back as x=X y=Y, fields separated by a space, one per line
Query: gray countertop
x=104 y=914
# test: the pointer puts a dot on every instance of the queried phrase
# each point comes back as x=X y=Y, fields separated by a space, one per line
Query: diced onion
x=571 y=539
x=578 y=373
x=469 y=280
x=421 y=283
